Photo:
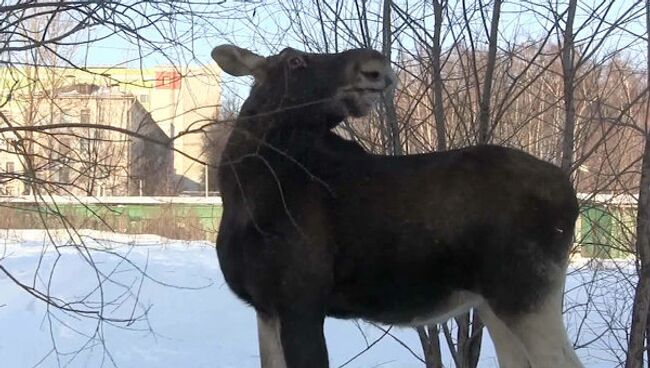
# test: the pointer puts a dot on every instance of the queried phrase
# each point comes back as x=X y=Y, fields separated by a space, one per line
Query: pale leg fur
x=511 y=353
x=268 y=333
x=544 y=335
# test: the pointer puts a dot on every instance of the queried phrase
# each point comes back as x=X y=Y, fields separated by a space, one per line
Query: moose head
x=309 y=87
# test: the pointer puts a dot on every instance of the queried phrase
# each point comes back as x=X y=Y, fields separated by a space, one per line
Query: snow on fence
x=213 y=200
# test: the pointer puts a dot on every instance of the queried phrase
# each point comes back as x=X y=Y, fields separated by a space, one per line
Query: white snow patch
x=192 y=318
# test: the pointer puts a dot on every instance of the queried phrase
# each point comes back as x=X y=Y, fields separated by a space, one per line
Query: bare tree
x=484 y=101
x=65 y=135
x=640 y=327
x=468 y=72
x=436 y=74
x=395 y=147
x=568 y=67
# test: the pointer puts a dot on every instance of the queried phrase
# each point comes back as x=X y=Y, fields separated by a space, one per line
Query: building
x=75 y=155
x=180 y=100
x=157 y=104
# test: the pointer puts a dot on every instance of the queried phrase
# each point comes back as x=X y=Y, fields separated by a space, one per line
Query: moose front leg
x=302 y=339
x=268 y=333
x=294 y=290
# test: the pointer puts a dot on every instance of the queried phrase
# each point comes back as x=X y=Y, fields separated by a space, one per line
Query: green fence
x=190 y=221
x=606 y=231
x=603 y=230
x=207 y=215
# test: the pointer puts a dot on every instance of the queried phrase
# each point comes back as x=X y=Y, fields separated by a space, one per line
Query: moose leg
x=302 y=339
x=268 y=333
x=510 y=351
x=543 y=333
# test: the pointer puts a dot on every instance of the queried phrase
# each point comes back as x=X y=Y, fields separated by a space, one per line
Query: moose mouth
x=359 y=101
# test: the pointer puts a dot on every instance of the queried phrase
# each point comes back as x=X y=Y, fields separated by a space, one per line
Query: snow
x=187 y=317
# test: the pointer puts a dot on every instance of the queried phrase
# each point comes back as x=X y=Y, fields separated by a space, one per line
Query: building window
x=71 y=79
x=84 y=116
x=64 y=174
x=84 y=144
x=10 y=167
x=100 y=113
x=65 y=146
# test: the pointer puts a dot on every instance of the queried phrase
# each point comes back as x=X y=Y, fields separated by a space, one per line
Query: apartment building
x=52 y=151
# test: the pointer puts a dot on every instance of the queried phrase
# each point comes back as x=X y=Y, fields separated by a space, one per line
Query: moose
x=313 y=225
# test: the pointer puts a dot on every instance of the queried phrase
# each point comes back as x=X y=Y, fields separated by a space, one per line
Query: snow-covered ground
x=185 y=316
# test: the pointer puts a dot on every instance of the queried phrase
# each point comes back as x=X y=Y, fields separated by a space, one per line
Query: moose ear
x=238 y=61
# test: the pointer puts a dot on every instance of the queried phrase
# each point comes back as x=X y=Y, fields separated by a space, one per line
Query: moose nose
x=378 y=74
x=371 y=75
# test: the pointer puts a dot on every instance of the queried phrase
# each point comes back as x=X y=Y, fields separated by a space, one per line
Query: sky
x=267 y=26
x=264 y=27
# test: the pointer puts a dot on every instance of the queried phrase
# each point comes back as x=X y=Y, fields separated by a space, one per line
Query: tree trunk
x=647 y=336
x=430 y=346
x=568 y=68
x=390 y=118
x=484 y=102
x=462 y=339
x=469 y=338
x=436 y=51
x=476 y=337
x=641 y=306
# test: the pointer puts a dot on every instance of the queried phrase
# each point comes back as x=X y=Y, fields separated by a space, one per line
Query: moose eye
x=297 y=62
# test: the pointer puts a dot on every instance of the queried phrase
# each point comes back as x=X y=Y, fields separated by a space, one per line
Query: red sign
x=168 y=80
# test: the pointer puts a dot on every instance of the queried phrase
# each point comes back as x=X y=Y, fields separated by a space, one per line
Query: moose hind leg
x=543 y=334
x=268 y=333
x=511 y=353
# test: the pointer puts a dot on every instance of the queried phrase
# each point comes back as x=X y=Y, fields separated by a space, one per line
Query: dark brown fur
x=313 y=226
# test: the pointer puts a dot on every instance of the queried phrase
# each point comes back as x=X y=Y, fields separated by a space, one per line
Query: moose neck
x=292 y=129
x=278 y=142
